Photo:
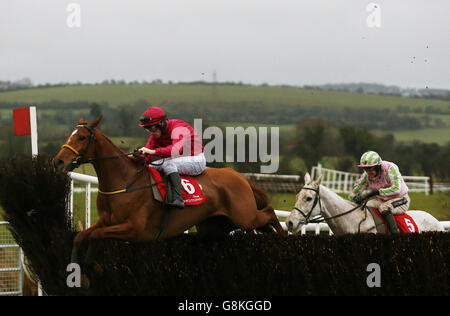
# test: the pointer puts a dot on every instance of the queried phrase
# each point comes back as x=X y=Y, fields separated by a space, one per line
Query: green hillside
x=271 y=96
x=408 y=119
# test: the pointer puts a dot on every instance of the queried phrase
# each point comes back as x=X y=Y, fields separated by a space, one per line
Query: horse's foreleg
x=124 y=231
x=79 y=239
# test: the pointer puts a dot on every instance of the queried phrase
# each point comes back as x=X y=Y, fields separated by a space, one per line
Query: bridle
x=81 y=156
x=322 y=219
x=316 y=200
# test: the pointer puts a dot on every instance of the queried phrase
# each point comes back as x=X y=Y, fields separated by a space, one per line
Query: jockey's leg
x=390 y=220
x=177 y=199
x=169 y=167
x=394 y=207
x=173 y=167
x=190 y=165
x=374 y=203
x=400 y=205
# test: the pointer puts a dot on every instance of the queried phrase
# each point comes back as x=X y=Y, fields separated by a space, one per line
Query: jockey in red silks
x=384 y=181
x=177 y=143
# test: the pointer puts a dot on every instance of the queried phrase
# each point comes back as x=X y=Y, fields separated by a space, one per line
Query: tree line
x=340 y=147
x=338 y=144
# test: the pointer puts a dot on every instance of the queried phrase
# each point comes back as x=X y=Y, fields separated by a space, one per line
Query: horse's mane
x=342 y=199
x=135 y=162
x=82 y=121
x=110 y=142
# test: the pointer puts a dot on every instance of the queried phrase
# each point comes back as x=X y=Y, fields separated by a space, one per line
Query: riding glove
x=359 y=198
x=370 y=194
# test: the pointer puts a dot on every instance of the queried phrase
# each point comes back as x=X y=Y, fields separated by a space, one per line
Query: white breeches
x=187 y=165
x=384 y=206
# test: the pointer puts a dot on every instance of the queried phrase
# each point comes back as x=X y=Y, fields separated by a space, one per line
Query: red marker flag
x=22 y=124
x=25 y=123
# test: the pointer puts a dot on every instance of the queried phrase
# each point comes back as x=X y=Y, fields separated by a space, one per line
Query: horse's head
x=306 y=205
x=79 y=146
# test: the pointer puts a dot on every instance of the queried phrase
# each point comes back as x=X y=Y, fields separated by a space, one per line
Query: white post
x=34 y=153
x=313 y=173
x=88 y=205
x=303 y=230
x=319 y=169
x=317 y=229
x=327 y=178
x=334 y=185
x=71 y=203
x=34 y=132
x=346 y=183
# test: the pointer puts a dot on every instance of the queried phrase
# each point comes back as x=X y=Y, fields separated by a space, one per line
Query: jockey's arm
x=393 y=176
x=147 y=151
x=359 y=187
x=173 y=149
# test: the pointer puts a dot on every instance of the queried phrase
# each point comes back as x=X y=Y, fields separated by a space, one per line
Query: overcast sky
x=253 y=41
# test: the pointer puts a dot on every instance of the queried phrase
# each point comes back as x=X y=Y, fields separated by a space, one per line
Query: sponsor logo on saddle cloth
x=405 y=222
x=191 y=190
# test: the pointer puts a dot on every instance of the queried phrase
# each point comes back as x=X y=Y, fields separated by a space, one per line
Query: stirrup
x=177 y=203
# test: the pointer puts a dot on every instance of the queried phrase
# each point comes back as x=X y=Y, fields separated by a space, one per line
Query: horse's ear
x=81 y=121
x=307 y=178
x=318 y=180
x=95 y=122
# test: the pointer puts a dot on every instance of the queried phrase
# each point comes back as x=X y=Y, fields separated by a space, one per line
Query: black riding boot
x=175 y=200
x=389 y=218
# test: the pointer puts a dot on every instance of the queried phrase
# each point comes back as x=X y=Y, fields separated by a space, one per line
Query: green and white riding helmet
x=370 y=159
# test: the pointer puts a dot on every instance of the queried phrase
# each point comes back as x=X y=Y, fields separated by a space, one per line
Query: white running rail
x=89 y=181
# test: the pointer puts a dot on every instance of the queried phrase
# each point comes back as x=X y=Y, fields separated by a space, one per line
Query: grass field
x=268 y=97
x=273 y=96
x=439 y=136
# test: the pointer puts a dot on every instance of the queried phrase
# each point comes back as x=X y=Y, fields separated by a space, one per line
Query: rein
x=317 y=200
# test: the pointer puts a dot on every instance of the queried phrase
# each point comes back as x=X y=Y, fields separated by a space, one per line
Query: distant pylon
x=214 y=83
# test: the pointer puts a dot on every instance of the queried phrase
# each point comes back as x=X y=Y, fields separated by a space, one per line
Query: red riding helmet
x=152 y=116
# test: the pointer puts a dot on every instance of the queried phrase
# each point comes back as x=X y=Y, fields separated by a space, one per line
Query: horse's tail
x=261 y=197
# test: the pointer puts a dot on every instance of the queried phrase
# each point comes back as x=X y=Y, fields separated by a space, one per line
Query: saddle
x=191 y=190
x=405 y=222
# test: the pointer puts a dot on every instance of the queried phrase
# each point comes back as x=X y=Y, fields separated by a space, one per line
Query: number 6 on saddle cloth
x=191 y=190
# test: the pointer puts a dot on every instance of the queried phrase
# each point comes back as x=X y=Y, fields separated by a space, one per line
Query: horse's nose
x=58 y=164
x=289 y=225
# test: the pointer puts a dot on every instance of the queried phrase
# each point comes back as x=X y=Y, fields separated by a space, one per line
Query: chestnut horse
x=232 y=201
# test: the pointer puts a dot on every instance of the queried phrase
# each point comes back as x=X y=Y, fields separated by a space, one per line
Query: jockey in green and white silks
x=383 y=180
